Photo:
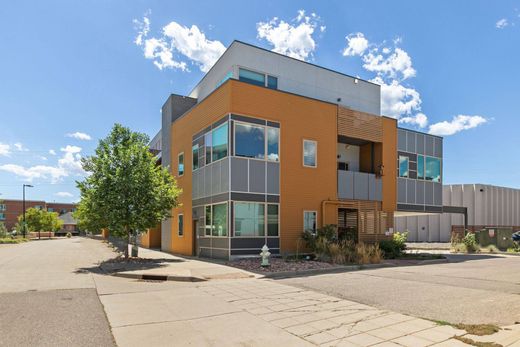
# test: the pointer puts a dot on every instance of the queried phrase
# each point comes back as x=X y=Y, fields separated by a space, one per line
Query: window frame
x=440 y=168
x=266 y=143
x=213 y=141
x=266 y=77
x=315 y=220
x=180 y=227
x=315 y=154
x=179 y=174
x=266 y=207
x=211 y=206
x=193 y=168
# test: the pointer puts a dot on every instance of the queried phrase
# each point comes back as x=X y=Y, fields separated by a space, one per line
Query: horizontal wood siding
x=359 y=125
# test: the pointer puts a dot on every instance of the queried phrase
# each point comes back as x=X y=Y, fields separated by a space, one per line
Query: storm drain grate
x=154 y=278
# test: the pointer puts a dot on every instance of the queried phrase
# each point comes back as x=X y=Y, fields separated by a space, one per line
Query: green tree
x=125 y=191
x=38 y=220
x=3 y=230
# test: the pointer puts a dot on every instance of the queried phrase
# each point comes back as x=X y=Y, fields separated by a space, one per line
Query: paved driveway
x=471 y=289
x=45 y=300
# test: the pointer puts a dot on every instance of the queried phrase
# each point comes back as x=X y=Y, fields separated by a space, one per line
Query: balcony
x=355 y=185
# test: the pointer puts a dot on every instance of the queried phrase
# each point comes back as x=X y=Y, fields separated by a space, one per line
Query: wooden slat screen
x=359 y=125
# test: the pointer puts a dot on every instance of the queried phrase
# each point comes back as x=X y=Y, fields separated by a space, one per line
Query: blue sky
x=70 y=69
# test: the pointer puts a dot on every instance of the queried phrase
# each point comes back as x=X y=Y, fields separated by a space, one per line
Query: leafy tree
x=125 y=191
x=41 y=220
x=3 y=230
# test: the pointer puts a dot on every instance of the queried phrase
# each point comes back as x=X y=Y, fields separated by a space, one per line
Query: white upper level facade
x=293 y=76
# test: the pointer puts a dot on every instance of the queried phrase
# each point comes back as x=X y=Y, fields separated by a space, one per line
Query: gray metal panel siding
x=419 y=193
x=273 y=178
x=360 y=186
x=420 y=143
x=239 y=177
x=437 y=194
x=410 y=191
x=248 y=242
x=410 y=142
x=224 y=175
x=220 y=242
x=401 y=190
x=401 y=139
x=256 y=176
x=207 y=180
x=438 y=147
x=345 y=184
x=428 y=193
x=215 y=178
x=428 y=150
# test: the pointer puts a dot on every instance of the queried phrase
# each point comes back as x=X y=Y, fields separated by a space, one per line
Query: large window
x=220 y=142
x=249 y=219
x=309 y=221
x=181 y=225
x=403 y=166
x=195 y=155
x=207 y=145
x=180 y=167
x=249 y=141
x=258 y=78
x=257 y=141
x=433 y=169
x=310 y=153
x=420 y=167
x=216 y=220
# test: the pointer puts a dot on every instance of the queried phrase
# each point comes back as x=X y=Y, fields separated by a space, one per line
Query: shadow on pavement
x=119 y=264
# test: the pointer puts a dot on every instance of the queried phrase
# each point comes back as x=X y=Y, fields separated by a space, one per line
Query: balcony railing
x=359 y=186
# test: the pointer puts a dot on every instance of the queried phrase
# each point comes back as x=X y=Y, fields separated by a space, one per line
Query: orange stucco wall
x=390 y=164
x=152 y=238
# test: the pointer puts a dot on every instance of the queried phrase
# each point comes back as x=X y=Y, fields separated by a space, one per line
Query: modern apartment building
x=267 y=146
x=10 y=209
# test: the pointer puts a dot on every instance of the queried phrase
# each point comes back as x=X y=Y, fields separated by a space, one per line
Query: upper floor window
x=3 y=207
x=219 y=147
x=180 y=167
x=257 y=78
x=181 y=225
x=257 y=141
x=432 y=169
x=195 y=156
x=2 y=216
x=404 y=165
x=310 y=153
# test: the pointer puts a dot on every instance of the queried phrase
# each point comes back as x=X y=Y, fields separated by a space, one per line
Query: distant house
x=70 y=225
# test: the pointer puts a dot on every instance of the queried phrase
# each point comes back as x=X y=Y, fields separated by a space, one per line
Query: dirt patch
x=478 y=329
x=476 y=343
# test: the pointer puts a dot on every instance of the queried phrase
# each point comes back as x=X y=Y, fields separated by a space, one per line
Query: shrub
x=3 y=230
x=492 y=249
x=69 y=235
x=470 y=241
x=368 y=254
x=395 y=247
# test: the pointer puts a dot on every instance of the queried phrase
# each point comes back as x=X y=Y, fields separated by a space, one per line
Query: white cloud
x=357 y=44
x=79 y=136
x=52 y=152
x=398 y=100
x=177 y=39
x=295 y=40
x=5 y=149
x=457 y=124
x=64 y=194
x=419 y=119
x=502 y=23
x=20 y=147
x=69 y=164
x=393 y=65
x=38 y=171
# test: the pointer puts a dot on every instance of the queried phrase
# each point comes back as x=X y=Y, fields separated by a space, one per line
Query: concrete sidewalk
x=182 y=268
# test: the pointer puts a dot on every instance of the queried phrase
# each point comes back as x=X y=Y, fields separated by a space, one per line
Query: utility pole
x=24 y=230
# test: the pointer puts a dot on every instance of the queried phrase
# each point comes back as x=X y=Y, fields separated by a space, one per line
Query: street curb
x=159 y=277
x=341 y=269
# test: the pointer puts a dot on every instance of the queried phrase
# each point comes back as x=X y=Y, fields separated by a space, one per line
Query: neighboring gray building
x=488 y=206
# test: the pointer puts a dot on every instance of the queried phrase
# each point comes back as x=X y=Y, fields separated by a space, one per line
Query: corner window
x=403 y=166
x=249 y=141
x=309 y=153
x=309 y=221
x=249 y=219
x=420 y=167
x=219 y=142
x=273 y=140
x=433 y=169
x=181 y=225
x=195 y=155
x=180 y=167
x=272 y=220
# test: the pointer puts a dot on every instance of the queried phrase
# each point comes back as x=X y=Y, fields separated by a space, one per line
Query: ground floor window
x=309 y=221
x=216 y=220
x=253 y=219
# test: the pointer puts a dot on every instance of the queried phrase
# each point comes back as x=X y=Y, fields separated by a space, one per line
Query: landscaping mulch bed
x=279 y=265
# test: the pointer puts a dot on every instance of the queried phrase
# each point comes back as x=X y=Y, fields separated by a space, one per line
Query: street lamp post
x=23 y=207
